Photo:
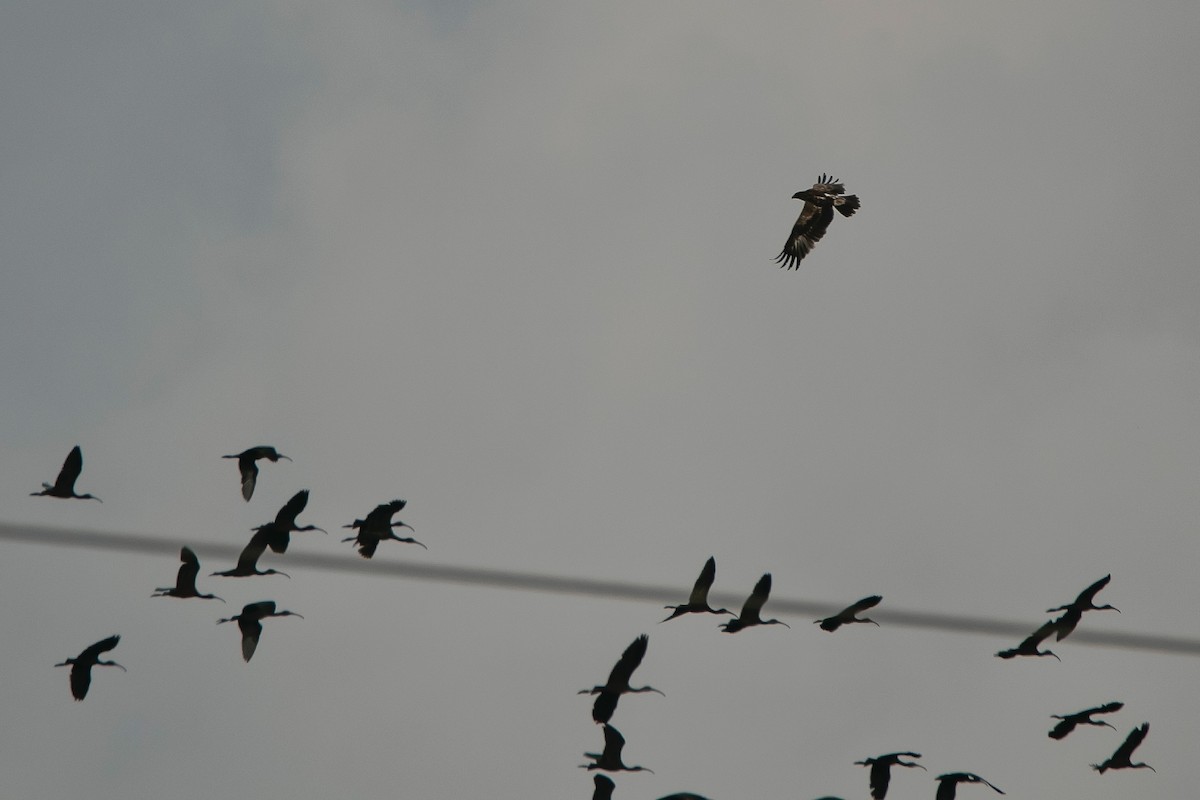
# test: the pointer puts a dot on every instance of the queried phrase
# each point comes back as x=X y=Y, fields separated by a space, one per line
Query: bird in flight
x=185 y=580
x=847 y=615
x=881 y=770
x=618 y=681
x=1120 y=759
x=250 y=623
x=64 y=484
x=378 y=527
x=820 y=201
x=279 y=532
x=1073 y=611
x=610 y=759
x=1029 y=646
x=750 y=611
x=81 y=665
x=247 y=564
x=249 y=469
x=1069 y=721
x=697 y=602
x=948 y=784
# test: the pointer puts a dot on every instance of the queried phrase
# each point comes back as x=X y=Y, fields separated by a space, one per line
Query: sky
x=514 y=263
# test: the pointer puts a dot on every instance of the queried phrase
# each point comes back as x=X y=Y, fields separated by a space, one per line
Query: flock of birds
x=618 y=683
x=274 y=535
x=825 y=197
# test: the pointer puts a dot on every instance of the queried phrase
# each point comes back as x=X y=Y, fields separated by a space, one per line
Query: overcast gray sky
x=513 y=263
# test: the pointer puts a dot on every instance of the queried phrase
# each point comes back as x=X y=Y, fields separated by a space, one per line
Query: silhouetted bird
x=683 y=796
x=610 y=759
x=604 y=787
x=847 y=615
x=81 y=665
x=185 y=580
x=1069 y=721
x=1120 y=759
x=249 y=469
x=279 y=532
x=819 y=202
x=247 y=564
x=750 y=611
x=64 y=484
x=881 y=770
x=618 y=681
x=1029 y=647
x=250 y=623
x=948 y=784
x=377 y=527
x=1086 y=601
x=697 y=602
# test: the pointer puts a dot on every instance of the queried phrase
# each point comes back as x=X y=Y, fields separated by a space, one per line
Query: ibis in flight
x=377 y=527
x=250 y=623
x=185 y=581
x=1069 y=721
x=249 y=469
x=848 y=615
x=948 y=784
x=279 y=532
x=81 y=665
x=618 y=681
x=750 y=611
x=881 y=770
x=1120 y=759
x=610 y=759
x=64 y=484
x=697 y=602
x=1086 y=601
x=247 y=564
x=1029 y=646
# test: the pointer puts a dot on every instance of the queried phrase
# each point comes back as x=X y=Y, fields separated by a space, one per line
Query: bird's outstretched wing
x=72 y=466
x=286 y=518
x=809 y=228
x=699 y=594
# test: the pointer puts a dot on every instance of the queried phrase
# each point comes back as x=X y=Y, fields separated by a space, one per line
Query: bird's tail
x=847 y=205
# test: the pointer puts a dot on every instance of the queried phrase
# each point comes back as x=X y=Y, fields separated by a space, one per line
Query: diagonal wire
x=560 y=584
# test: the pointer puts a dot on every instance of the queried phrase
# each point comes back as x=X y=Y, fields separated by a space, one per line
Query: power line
x=560 y=584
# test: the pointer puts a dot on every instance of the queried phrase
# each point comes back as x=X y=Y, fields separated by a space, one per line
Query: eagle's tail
x=846 y=205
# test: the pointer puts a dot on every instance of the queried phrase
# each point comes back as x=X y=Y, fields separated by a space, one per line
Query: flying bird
x=377 y=527
x=249 y=469
x=948 y=784
x=64 y=484
x=1086 y=601
x=881 y=770
x=618 y=681
x=247 y=564
x=185 y=580
x=279 y=532
x=819 y=202
x=1069 y=721
x=1120 y=759
x=697 y=602
x=81 y=665
x=610 y=759
x=250 y=623
x=847 y=615
x=1029 y=647
x=750 y=611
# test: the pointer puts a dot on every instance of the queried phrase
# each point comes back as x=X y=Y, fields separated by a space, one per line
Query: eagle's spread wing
x=809 y=228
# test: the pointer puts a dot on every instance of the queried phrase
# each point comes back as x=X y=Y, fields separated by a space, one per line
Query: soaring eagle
x=819 y=202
